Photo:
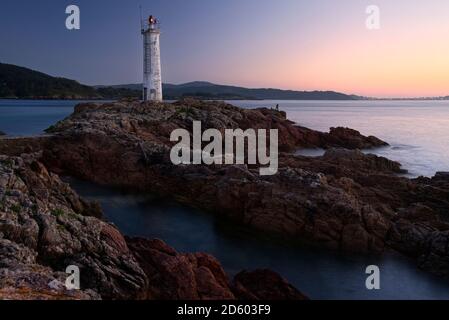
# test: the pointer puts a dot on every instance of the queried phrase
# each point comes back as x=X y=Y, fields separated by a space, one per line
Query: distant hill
x=207 y=90
x=22 y=83
x=18 y=82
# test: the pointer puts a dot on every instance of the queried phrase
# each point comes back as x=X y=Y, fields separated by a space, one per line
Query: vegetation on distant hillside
x=214 y=91
x=210 y=91
x=118 y=93
x=23 y=83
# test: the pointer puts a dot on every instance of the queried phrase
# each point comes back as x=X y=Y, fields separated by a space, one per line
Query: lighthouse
x=152 y=75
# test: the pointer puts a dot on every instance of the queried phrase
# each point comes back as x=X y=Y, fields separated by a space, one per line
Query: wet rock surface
x=264 y=285
x=46 y=227
x=352 y=139
x=345 y=200
x=174 y=276
x=199 y=276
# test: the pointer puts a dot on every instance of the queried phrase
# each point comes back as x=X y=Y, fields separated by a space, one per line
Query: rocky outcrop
x=356 y=160
x=344 y=200
x=174 y=276
x=15 y=146
x=336 y=138
x=46 y=227
x=422 y=229
x=128 y=146
x=264 y=285
x=352 y=139
x=22 y=277
x=162 y=118
x=199 y=276
x=442 y=177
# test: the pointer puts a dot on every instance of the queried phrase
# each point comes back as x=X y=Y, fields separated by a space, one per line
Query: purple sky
x=292 y=44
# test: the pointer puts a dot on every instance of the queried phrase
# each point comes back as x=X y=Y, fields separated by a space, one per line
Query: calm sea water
x=418 y=131
x=23 y=118
x=320 y=274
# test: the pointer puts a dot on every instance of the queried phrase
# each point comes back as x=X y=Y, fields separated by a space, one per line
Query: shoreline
x=228 y=99
x=231 y=243
x=344 y=200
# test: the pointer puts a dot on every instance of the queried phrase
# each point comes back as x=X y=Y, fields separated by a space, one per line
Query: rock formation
x=46 y=227
x=344 y=200
x=264 y=285
x=199 y=276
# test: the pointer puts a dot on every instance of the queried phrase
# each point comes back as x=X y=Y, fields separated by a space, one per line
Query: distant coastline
x=221 y=98
x=19 y=83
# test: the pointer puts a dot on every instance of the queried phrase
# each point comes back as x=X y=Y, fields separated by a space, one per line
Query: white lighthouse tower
x=152 y=75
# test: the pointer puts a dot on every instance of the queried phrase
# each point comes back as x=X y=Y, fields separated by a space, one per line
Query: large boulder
x=174 y=276
x=46 y=227
x=353 y=139
x=355 y=159
x=199 y=276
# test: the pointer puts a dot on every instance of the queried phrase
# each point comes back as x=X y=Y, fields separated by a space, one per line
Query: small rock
x=264 y=285
x=441 y=176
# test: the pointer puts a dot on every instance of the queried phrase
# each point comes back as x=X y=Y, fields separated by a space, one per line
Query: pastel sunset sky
x=289 y=44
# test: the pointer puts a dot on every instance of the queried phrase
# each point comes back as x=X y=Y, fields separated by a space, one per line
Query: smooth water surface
x=32 y=117
x=320 y=274
x=418 y=131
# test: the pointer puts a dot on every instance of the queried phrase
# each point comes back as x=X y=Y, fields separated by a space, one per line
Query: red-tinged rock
x=264 y=285
x=352 y=139
x=43 y=230
x=342 y=200
x=199 y=276
x=114 y=239
x=46 y=227
x=174 y=276
x=355 y=239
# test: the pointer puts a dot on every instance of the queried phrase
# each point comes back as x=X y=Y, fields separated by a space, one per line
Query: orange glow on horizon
x=408 y=57
x=379 y=67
